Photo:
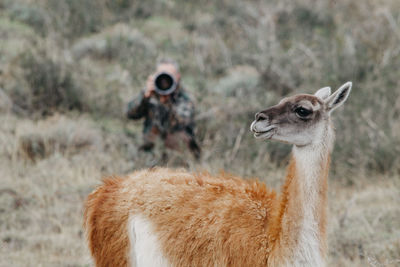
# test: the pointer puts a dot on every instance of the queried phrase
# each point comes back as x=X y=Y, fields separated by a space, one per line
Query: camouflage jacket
x=175 y=115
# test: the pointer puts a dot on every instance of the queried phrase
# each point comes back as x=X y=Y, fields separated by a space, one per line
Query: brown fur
x=200 y=220
x=106 y=224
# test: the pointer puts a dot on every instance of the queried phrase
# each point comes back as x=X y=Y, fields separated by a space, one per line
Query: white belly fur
x=145 y=246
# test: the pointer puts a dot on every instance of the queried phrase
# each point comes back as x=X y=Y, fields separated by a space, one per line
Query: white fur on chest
x=145 y=246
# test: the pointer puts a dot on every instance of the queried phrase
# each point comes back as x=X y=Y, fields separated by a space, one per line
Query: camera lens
x=164 y=83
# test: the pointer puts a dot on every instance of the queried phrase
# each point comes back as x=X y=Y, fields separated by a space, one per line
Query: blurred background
x=69 y=67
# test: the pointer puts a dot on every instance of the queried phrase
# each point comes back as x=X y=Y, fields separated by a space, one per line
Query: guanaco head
x=299 y=119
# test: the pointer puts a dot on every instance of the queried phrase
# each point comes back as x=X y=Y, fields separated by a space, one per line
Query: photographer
x=167 y=109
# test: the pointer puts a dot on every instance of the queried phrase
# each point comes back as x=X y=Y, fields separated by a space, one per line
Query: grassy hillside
x=68 y=68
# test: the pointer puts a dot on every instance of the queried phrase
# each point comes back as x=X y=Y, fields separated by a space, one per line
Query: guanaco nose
x=261 y=116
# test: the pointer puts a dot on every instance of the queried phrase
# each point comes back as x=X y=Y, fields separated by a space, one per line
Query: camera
x=164 y=83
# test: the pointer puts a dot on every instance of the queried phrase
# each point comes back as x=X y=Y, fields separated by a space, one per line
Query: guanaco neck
x=300 y=238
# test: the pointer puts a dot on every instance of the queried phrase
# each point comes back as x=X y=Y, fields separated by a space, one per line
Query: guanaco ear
x=323 y=93
x=339 y=97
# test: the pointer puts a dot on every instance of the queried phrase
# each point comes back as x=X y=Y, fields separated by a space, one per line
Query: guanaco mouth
x=265 y=133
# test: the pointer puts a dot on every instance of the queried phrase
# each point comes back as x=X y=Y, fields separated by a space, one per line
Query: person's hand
x=149 y=87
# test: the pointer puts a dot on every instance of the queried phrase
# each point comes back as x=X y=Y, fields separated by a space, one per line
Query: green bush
x=51 y=86
x=74 y=18
x=33 y=16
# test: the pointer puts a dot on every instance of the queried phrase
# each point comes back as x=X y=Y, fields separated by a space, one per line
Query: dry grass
x=68 y=68
x=41 y=201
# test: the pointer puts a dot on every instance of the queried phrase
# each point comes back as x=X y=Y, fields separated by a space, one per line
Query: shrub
x=33 y=16
x=63 y=135
x=50 y=85
x=74 y=18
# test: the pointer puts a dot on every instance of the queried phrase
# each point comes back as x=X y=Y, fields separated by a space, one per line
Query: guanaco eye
x=302 y=112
